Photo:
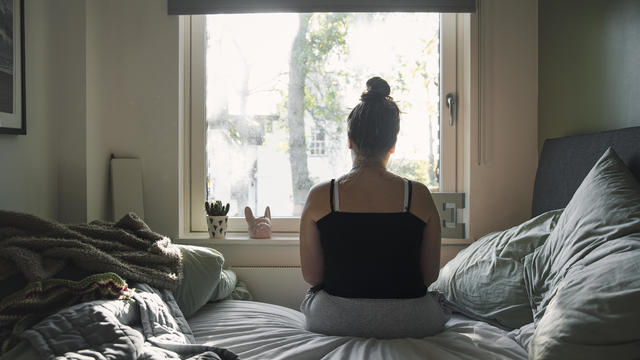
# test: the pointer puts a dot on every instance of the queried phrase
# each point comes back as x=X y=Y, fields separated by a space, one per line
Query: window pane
x=280 y=86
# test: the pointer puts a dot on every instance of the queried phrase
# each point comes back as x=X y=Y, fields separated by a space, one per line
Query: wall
x=589 y=74
x=102 y=78
x=28 y=179
x=67 y=61
x=500 y=187
x=133 y=93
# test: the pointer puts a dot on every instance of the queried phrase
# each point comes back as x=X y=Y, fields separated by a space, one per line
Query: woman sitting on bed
x=370 y=239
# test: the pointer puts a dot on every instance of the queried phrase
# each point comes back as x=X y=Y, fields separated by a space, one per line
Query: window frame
x=195 y=144
x=317 y=147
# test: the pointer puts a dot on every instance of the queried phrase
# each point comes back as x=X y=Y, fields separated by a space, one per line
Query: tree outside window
x=279 y=88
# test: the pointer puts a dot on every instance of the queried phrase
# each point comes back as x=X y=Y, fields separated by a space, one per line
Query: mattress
x=255 y=330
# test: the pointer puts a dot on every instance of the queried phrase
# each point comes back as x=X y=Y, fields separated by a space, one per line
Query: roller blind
x=193 y=7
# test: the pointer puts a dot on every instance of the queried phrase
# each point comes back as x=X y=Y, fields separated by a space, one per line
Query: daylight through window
x=279 y=88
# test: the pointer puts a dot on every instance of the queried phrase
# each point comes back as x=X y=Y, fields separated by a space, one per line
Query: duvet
x=147 y=326
x=255 y=330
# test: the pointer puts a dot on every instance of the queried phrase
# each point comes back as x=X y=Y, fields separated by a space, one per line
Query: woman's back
x=371 y=190
x=372 y=254
x=371 y=239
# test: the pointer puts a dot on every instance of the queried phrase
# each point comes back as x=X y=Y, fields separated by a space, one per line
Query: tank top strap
x=336 y=196
x=407 y=195
x=331 y=194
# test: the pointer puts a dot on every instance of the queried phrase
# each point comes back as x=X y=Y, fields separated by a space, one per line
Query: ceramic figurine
x=259 y=228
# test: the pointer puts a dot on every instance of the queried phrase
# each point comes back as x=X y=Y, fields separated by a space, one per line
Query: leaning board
x=126 y=187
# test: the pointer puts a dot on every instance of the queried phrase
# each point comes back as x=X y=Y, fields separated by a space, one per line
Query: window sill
x=282 y=249
x=240 y=239
x=277 y=239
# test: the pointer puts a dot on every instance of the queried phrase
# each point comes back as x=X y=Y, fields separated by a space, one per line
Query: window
x=318 y=144
x=270 y=94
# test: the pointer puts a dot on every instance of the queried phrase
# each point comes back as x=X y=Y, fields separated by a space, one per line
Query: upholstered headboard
x=565 y=162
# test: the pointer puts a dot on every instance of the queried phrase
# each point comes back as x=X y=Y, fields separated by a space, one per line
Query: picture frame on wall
x=12 y=79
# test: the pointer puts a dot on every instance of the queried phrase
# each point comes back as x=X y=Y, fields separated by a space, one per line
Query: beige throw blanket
x=39 y=249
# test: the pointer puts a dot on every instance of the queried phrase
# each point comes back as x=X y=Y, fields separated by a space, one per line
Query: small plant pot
x=217 y=226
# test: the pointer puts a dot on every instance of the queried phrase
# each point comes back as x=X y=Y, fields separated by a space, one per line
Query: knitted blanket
x=39 y=249
x=21 y=310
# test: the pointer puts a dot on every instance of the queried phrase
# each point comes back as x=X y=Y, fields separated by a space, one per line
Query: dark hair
x=375 y=122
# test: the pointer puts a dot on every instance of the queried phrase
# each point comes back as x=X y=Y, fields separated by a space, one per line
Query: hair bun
x=377 y=88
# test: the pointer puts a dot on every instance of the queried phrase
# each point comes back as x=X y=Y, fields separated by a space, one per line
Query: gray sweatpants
x=375 y=318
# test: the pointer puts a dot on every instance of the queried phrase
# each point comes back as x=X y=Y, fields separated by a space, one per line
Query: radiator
x=275 y=285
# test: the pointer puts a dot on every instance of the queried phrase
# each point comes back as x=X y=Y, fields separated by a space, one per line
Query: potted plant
x=217 y=219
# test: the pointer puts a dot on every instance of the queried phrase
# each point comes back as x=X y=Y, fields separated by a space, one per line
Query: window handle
x=451 y=104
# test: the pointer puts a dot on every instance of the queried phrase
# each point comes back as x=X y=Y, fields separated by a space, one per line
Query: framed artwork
x=12 y=88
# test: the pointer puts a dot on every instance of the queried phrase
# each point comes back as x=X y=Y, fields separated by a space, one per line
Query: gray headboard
x=565 y=162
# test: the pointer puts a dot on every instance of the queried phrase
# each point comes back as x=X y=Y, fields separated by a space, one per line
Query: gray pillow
x=594 y=313
x=203 y=280
x=486 y=277
x=606 y=206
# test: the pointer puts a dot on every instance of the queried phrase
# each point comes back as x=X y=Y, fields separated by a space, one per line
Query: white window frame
x=194 y=146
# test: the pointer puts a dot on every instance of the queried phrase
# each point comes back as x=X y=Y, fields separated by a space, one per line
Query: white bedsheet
x=255 y=330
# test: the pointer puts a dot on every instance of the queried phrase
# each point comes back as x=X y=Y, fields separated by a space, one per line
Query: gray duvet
x=148 y=326
x=584 y=282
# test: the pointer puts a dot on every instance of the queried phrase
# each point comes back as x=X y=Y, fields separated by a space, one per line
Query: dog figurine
x=259 y=228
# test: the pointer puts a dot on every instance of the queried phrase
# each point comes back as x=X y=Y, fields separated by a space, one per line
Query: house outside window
x=317 y=144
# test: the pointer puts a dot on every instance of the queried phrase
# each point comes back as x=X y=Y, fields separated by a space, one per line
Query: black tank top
x=372 y=255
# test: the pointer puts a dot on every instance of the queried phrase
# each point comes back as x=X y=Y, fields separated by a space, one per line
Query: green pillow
x=605 y=206
x=486 y=277
x=203 y=280
x=227 y=284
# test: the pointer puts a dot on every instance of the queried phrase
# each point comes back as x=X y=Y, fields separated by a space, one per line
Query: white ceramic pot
x=217 y=226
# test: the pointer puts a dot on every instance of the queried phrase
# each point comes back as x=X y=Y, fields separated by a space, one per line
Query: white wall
x=501 y=187
x=103 y=77
x=67 y=64
x=133 y=93
x=28 y=164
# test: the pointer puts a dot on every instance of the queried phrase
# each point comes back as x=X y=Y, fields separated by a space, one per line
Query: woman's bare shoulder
x=318 y=204
x=420 y=188
x=320 y=189
x=422 y=204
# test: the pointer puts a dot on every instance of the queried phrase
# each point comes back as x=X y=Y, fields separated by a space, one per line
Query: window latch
x=451 y=104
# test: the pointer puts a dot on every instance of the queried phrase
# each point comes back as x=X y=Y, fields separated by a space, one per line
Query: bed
x=255 y=330
x=562 y=285
x=498 y=292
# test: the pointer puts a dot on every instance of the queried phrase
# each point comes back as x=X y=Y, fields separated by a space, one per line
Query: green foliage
x=323 y=101
x=419 y=170
x=216 y=209
x=326 y=32
x=428 y=48
x=319 y=53
x=326 y=41
x=325 y=38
